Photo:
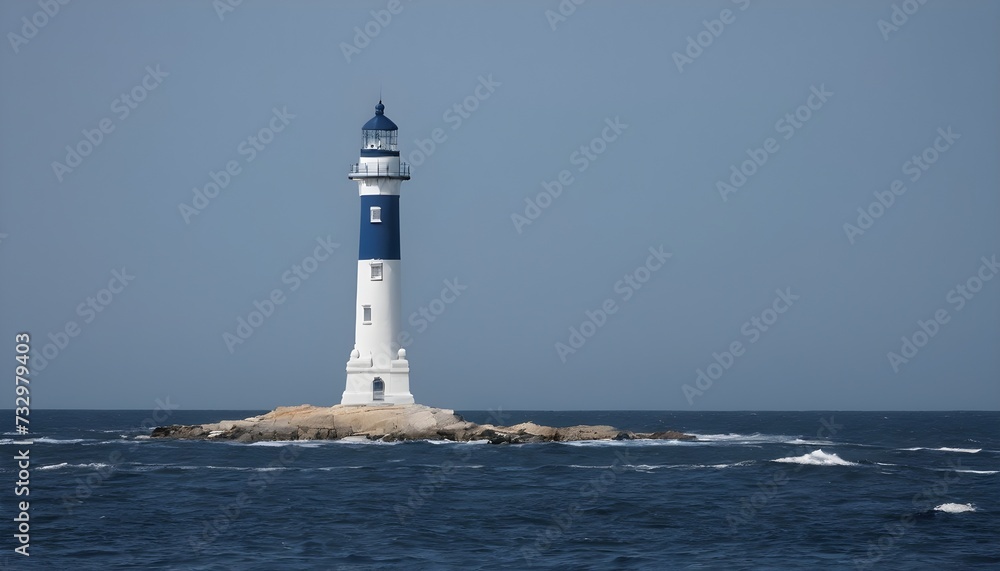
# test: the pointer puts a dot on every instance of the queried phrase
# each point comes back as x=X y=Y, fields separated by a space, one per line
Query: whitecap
x=101 y=442
x=147 y=467
x=755 y=438
x=642 y=467
x=945 y=449
x=809 y=442
x=331 y=468
x=735 y=464
x=636 y=467
x=281 y=443
x=54 y=466
x=955 y=508
x=47 y=440
x=363 y=441
x=712 y=466
x=633 y=442
x=68 y=465
x=987 y=472
x=817 y=458
x=210 y=467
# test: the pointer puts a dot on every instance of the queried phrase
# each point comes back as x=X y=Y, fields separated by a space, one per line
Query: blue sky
x=553 y=146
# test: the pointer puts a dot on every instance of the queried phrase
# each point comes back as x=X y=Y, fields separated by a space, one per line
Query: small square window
x=377 y=271
x=367 y=311
x=376 y=213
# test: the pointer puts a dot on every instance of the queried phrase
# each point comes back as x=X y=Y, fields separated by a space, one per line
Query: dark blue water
x=768 y=490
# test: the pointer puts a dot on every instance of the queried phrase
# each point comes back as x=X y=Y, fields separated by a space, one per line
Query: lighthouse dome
x=380 y=122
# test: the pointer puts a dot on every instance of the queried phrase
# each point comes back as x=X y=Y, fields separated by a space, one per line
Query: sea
x=756 y=490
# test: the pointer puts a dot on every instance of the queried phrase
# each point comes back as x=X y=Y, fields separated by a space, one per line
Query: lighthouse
x=375 y=373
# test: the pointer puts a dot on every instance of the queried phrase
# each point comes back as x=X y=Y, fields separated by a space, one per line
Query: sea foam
x=945 y=449
x=735 y=438
x=68 y=465
x=955 y=508
x=47 y=440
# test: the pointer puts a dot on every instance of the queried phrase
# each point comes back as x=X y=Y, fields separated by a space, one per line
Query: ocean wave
x=302 y=443
x=817 y=458
x=651 y=467
x=714 y=466
x=54 y=466
x=634 y=442
x=754 y=438
x=945 y=449
x=60 y=466
x=809 y=442
x=347 y=440
x=104 y=442
x=734 y=464
x=148 y=467
x=332 y=468
x=987 y=472
x=633 y=467
x=448 y=465
x=641 y=467
x=282 y=443
x=126 y=431
x=361 y=441
x=955 y=508
x=27 y=439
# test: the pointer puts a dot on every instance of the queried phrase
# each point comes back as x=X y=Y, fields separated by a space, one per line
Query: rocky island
x=390 y=423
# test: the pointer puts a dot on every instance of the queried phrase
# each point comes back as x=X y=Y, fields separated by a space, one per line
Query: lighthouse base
x=369 y=385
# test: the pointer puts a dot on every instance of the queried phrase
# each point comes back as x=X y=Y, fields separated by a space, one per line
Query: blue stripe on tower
x=379 y=240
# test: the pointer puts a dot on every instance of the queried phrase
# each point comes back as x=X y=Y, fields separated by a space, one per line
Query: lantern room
x=379 y=134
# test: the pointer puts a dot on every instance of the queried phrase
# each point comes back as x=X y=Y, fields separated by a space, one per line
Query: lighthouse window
x=376 y=214
x=367 y=311
x=377 y=271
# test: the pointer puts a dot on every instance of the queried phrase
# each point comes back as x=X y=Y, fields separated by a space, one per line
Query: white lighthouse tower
x=375 y=373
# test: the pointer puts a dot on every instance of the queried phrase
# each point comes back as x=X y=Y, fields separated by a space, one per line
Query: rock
x=389 y=423
x=668 y=435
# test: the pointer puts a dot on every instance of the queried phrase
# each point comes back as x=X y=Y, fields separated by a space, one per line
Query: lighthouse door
x=378 y=389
